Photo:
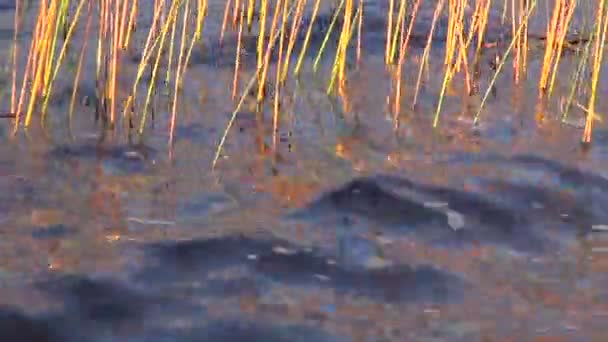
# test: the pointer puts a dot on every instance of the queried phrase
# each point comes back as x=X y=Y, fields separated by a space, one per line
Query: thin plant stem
x=500 y=65
x=178 y=72
x=307 y=38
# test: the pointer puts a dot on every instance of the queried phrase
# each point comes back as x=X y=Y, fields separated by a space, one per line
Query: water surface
x=346 y=230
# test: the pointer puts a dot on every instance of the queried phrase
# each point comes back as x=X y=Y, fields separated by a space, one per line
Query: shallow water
x=348 y=230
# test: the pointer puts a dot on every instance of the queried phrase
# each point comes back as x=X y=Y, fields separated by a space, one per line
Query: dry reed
x=57 y=21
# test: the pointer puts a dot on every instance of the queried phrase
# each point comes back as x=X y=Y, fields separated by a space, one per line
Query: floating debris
x=283 y=250
x=599 y=228
x=150 y=221
x=455 y=219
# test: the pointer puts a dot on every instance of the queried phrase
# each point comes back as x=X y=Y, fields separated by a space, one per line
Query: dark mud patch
x=272 y=262
x=531 y=204
x=391 y=283
x=550 y=207
x=486 y=219
x=199 y=257
x=437 y=215
x=534 y=169
x=567 y=176
x=580 y=196
x=232 y=287
x=365 y=197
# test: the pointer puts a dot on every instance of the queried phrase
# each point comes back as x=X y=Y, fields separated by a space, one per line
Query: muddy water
x=347 y=230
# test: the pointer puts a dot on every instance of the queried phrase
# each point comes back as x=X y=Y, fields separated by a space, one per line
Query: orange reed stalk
x=123 y=24
x=345 y=38
x=15 y=55
x=262 y=33
x=250 y=10
x=315 y=11
x=565 y=19
x=146 y=55
x=389 y=31
x=45 y=61
x=598 y=53
x=549 y=49
x=83 y=50
x=225 y=19
x=235 y=13
x=131 y=25
x=238 y=53
x=427 y=49
x=116 y=53
x=295 y=29
x=402 y=51
x=359 y=29
x=178 y=71
x=450 y=41
x=40 y=64
x=40 y=42
x=201 y=19
x=399 y=28
x=483 y=23
x=277 y=85
x=39 y=39
x=269 y=48
x=28 y=75
x=153 y=28
x=458 y=40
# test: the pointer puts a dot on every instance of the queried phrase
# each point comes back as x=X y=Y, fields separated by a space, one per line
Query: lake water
x=349 y=229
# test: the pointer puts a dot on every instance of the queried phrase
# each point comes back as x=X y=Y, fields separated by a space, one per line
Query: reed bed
x=284 y=28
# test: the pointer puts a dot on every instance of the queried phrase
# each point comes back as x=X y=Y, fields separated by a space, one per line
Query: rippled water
x=348 y=231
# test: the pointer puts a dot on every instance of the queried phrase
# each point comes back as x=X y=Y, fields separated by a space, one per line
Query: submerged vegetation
x=283 y=30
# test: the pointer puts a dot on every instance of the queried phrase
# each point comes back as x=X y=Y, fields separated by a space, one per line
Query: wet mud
x=288 y=265
x=518 y=213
